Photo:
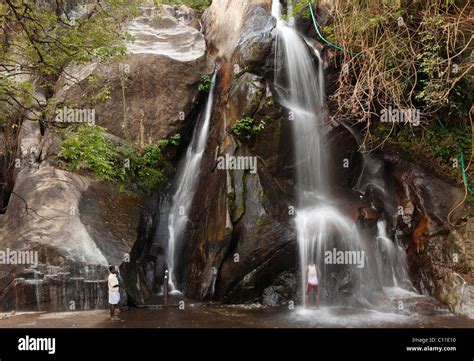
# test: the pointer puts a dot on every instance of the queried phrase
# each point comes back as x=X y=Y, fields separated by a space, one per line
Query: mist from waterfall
x=186 y=181
x=321 y=227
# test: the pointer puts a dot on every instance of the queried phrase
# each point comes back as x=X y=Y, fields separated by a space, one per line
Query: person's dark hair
x=111 y=268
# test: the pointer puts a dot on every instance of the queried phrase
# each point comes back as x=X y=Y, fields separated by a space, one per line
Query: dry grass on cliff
x=413 y=54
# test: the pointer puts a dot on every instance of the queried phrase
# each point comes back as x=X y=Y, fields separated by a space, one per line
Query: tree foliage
x=87 y=150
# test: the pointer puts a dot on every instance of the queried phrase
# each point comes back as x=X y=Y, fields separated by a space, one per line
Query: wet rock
x=242 y=228
x=345 y=163
x=249 y=217
x=284 y=289
x=262 y=247
x=246 y=214
x=275 y=147
x=245 y=96
x=425 y=200
x=80 y=287
x=428 y=191
x=139 y=273
x=375 y=184
x=208 y=236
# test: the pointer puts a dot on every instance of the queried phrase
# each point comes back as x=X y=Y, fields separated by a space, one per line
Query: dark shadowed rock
x=262 y=247
x=434 y=252
x=345 y=161
x=255 y=41
x=284 y=288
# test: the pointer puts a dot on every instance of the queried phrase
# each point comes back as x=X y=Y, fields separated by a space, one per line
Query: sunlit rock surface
x=167 y=32
x=78 y=227
x=154 y=89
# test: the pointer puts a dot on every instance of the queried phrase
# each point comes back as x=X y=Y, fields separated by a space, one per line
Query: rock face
x=147 y=96
x=241 y=240
x=241 y=244
x=228 y=25
x=417 y=201
x=75 y=227
x=435 y=253
x=71 y=226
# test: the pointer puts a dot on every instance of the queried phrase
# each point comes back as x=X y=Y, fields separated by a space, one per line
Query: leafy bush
x=247 y=127
x=205 y=84
x=87 y=149
x=175 y=140
x=147 y=168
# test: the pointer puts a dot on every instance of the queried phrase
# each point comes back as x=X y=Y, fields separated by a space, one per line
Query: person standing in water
x=313 y=274
x=114 y=293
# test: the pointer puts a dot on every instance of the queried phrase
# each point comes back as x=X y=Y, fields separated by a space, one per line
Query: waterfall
x=322 y=230
x=392 y=259
x=185 y=185
x=301 y=95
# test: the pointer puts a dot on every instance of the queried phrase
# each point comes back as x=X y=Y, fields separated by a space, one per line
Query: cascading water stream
x=392 y=261
x=321 y=227
x=185 y=185
x=301 y=95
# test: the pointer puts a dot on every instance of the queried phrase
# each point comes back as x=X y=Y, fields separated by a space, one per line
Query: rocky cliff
x=74 y=225
x=240 y=243
x=241 y=246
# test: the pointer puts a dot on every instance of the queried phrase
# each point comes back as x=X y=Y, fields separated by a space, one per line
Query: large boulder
x=75 y=228
x=345 y=161
x=147 y=96
x=263 y=245
x=228 y=23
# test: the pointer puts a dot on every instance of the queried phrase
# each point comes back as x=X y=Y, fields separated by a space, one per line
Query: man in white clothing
x=114 y=294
